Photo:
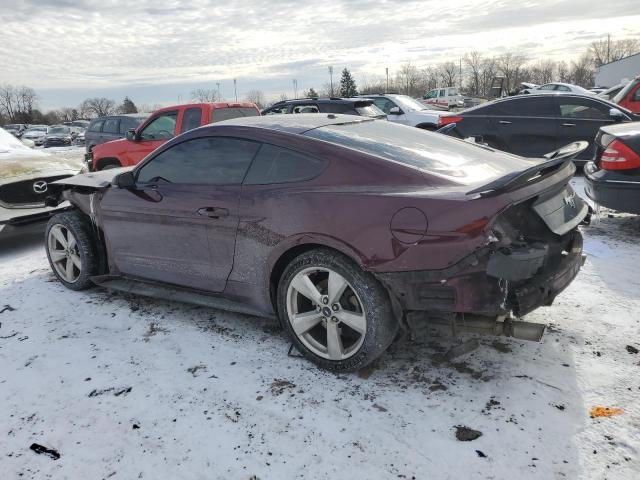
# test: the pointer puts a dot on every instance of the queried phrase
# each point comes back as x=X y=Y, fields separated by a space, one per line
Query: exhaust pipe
x=505 y=326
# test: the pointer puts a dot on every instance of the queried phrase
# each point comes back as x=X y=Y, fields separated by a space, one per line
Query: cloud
x=152 y=47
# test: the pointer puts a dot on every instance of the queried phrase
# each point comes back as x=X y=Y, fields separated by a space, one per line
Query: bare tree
x=607 y=50
x=562 y=72
x=257 y=97
x=8 y=103
x=205 y=95
x=407 y=79
x=510 y=67
x=97 y=107
x=582 y=70
x=66 y=114
x=542 y=72
x=447 y=72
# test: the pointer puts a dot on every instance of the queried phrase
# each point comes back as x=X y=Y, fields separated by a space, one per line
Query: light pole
x=295 y=88
x=331 y=76
x=387 y=90
x=218 y=84
x=235 y=88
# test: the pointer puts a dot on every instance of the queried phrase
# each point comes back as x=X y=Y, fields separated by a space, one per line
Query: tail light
x=618 y=156
x=442 y=121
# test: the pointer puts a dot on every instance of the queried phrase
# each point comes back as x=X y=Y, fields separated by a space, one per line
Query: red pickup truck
x=161 y=126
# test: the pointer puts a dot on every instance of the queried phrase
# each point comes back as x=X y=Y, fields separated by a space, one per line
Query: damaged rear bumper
x=491 y=283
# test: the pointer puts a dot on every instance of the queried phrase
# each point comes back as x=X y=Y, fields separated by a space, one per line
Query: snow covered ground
x=126 y=387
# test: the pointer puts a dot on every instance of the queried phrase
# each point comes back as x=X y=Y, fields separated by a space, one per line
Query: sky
x=157 y=52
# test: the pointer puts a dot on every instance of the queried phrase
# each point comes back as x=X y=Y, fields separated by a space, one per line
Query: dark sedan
x=345 y=228
x=58 y=136
x=532 y=125
x=613 y=178
x=347 y=106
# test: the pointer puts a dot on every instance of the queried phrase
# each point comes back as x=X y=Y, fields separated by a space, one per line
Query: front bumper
x=611 y=189
x=25 y=216
x=481 y=285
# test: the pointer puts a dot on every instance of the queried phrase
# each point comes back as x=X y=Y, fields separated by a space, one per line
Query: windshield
x=407 y=103
x=623 y=93
x=456 y=160
x=370 y=111
x=58 y=130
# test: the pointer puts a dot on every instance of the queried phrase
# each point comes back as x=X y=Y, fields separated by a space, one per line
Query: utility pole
x=295 y=88
x=387 y=90
x=331 y=76
x=219 y=97
x=608 y=47
x=235 y=88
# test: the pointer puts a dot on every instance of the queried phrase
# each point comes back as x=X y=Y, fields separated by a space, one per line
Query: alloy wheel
x=63 y=251
x=326 y=313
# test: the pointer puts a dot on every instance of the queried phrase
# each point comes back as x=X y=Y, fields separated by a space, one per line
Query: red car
x=161 y=126
x=629 y=96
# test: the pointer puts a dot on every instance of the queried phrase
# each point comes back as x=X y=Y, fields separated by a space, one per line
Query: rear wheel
x=71 y=250
x=338 y=316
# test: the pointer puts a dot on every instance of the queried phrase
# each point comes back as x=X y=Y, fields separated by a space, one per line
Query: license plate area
x=562 y=211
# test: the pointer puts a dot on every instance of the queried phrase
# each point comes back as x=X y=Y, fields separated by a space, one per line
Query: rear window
x=437 y=154
x=220 y=114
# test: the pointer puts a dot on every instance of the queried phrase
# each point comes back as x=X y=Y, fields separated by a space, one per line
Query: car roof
x=297 y=124
x=339 y=100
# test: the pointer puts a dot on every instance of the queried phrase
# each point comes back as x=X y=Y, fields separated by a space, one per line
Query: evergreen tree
x=128 y=106
x=348 y=86
x=311 y=93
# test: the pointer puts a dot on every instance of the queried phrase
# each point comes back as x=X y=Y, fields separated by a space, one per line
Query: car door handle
x=568 y=124
x=505 y=122
x=213 y=212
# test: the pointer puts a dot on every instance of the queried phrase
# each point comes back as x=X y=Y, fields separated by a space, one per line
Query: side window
x=583 y=108
x=311 y=108
x=161 y=128
x=111 y=125
x=201 y=161
x=431 y=94
x=636 y=96
x=277 y=110
x=191 y=119
x=562 y=88
x=127 y=124
x=280 y=165
x=548 y=86
x=96 y=126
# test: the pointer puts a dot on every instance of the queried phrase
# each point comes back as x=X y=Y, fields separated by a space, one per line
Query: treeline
x=20 y=105
x=475 y=71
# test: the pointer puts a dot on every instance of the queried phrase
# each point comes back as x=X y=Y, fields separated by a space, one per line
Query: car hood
x=53 y=135
x=15 y=168
x=102 y=179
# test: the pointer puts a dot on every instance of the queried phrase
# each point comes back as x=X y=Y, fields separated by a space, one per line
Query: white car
x=35 y=133
x=446 y=98
x=406 y=110
x=556 y=87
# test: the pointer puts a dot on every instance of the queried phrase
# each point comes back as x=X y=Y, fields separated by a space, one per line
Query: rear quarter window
x=96 y=125
x=220 y=114
x=281 y=165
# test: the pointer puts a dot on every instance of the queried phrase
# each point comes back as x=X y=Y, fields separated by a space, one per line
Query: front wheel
x=338 y=315
x=71 y=250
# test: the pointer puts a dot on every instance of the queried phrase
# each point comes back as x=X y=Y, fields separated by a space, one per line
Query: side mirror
x=395 y=111
x=125 y=180
x=616 y=114
x=131 y=135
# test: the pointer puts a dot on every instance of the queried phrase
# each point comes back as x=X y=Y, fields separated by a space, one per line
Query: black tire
x=86 y=246
x=109 y=166
x=381 y=324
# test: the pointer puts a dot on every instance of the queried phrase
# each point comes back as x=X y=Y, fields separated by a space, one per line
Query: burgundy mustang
x=345 y=228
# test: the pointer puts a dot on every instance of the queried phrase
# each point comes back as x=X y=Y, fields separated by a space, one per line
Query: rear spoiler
x=554 y=161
